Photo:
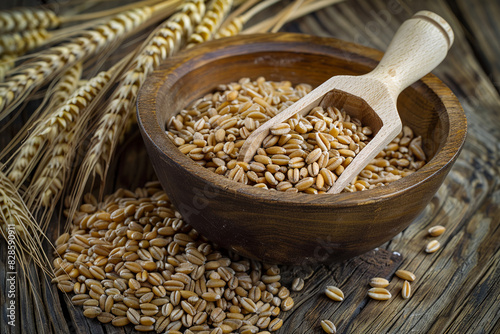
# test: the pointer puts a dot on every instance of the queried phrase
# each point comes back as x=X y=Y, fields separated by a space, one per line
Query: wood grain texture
x=457 y=288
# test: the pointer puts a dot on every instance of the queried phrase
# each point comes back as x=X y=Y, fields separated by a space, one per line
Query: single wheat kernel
x=378 y=282
x=275 y=324
x=406 y=290
x=297 y=284
x=328 y=327
x=334 y=293
x=406 y=275
x=436 y=230
x=432 y=246
x=379 y=294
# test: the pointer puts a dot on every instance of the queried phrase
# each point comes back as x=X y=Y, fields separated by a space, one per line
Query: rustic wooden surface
x=457 y=288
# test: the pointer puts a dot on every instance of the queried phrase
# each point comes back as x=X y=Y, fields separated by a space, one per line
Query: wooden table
x=457 y=288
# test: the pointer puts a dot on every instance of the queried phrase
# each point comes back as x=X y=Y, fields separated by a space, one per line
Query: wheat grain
x=379 y=294
x=209 y=25
x=22 y=19
x=406 y=275
x=166 y=40
x=406 y=290
x=432 y=246
x=190 y=285
x=29 y=76
x=302 y=154
x=436 y=230
x=334 y=293
x=328 y=327
x=19 y=43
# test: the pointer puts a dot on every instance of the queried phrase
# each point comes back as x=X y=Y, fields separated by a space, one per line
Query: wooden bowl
x=287 y=228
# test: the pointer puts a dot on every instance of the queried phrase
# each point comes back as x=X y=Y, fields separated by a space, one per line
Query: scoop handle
x=419 y=45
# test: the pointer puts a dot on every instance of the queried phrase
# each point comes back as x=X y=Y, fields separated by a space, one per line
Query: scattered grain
x=334 y=293
x=436 y=231
x=406 y=275
x=138 y=280
x=432 y=246
x=328 y=327
x=379 y=294
x=406 y=290
x=378 y=282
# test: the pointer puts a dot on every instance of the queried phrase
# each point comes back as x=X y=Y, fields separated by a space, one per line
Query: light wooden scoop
x=419 y=45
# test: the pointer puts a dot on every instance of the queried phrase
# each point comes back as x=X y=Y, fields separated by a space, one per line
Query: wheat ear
x=31 y=75
x=55 y=166
x=6 y=63
x=27 y=18
x=235 y=23
x=209 y=25
x=164 y=42
x=18 y=43
x=274 y=22
x=26 y=157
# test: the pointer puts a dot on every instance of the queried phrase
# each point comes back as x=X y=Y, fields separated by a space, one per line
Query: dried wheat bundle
x=19 y=228
x=49 y=63
x=18 y=43
x=22 y=19
x=208 y=27
x=165 y=41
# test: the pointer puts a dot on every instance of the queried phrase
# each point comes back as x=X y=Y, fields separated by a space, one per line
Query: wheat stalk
x=18 y=43
x=34 y=73
x=164 y=42
x=18 y=226
x=27 y=18
x=207 y=28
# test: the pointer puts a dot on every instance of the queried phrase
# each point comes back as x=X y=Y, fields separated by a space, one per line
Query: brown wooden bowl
x=281 y=227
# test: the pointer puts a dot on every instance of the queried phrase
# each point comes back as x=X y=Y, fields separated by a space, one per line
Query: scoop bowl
x=298 y=228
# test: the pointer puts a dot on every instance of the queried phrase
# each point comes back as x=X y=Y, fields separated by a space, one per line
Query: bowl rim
x=150 y=126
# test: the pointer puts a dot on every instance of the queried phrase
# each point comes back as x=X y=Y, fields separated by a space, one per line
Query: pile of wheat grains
x=303 y=154
x=132 y=259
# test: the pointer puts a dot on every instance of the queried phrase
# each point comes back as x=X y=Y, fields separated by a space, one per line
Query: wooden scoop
x=419 y=45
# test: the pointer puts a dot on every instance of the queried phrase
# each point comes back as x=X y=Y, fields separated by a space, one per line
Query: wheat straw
x=166 y=40
x=19 y=43
x=34 y=73
x=19 y=228
x=27 y=18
